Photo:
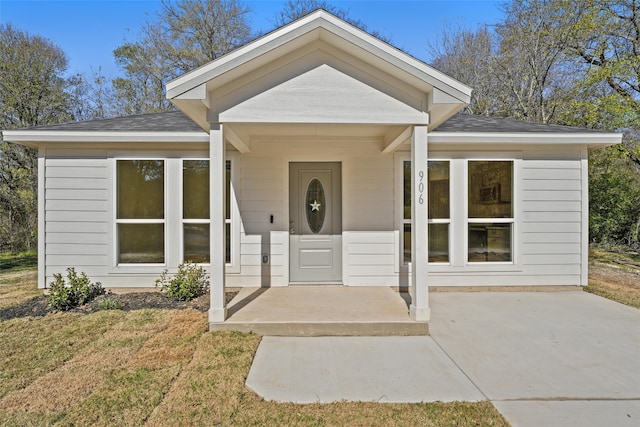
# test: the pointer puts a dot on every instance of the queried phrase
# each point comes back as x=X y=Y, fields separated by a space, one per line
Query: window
x=439 y=217
x=227 y=210
x=140 y=212
x=490 y=211
x=195 y=211
x=438 y=211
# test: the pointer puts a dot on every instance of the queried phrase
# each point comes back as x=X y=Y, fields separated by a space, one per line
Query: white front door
x=315 y=223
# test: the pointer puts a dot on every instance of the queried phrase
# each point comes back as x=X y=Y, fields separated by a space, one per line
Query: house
x=316 y=154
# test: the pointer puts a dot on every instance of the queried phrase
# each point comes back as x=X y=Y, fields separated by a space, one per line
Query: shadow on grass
x=15 y=261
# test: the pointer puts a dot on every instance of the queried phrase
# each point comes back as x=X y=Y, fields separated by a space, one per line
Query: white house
x=316 y=154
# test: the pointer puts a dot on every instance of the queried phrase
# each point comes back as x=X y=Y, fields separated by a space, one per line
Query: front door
x=315 y=223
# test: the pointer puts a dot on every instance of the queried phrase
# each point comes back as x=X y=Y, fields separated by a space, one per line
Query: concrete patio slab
x=373 y=369
x=569 y=345
x=321 y=311
x=582 y=413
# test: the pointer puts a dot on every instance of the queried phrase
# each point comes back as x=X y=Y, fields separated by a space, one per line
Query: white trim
x=592 y=140
x=42 y=158
x=115 y=266
x=35 y=136
x=181 y=220
x=234 y=267
x=584 y=240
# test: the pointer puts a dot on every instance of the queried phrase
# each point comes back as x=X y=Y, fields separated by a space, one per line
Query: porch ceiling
x=388 y=137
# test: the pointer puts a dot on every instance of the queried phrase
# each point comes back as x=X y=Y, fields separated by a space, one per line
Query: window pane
x=196 y=243
x=407 y=243
x=490 y=187
x=438 y=242
x=227 y=229
x=140 y=189
x=195 y=189
x=438 y=175
x=407 y=189
x=227 y=191
x=141 y=243
x=490 y=242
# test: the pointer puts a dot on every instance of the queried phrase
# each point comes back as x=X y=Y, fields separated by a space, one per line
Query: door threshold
x=339 y=283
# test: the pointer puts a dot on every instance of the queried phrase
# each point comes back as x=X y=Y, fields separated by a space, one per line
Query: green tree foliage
x=573 y=62
x=33 y=91
x=185 y=35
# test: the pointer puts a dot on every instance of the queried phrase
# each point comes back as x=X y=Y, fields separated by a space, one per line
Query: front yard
x=159 y=366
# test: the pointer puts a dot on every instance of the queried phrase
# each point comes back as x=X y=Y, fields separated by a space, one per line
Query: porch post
x=419 y=309
x=218 y=308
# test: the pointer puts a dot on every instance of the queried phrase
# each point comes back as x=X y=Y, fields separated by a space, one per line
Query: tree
x=295 y=9
x=33 y=91
x=470 y=57
x=186 y=35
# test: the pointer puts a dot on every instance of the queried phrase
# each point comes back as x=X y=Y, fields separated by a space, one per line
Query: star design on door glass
x=315 y=206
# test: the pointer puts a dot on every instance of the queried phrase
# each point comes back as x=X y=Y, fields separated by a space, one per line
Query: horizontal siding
x=76 y=203
x=552 y=220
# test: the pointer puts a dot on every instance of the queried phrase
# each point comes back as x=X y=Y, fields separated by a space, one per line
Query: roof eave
x=592 y=140
x=35 y=138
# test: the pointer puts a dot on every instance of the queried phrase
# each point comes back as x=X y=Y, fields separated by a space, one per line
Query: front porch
x=321 y=310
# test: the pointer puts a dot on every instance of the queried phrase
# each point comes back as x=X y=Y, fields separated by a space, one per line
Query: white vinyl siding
x=548 y=240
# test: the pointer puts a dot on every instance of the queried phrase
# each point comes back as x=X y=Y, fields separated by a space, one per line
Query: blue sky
x=89 y=30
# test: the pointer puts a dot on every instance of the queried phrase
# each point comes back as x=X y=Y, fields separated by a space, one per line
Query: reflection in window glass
x=438 y=175
x=196 y=243
x=490 y=214
x=490 y=242
x=407 y=242
x=140 y=211
x=490 y=189
x=195 y=189
x=141 y=243
x=439 y=242
x=140 y=187
x=406 y=170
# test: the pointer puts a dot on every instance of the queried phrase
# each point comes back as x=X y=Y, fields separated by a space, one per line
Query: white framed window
x=490 y=213
x=439 y=210
x=473 y=224
x=196 y=244
x=140 y=212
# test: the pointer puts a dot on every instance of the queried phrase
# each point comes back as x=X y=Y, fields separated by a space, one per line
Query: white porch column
x=419 y=309
x=218 y=307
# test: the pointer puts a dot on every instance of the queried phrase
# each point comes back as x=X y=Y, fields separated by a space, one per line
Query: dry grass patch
x=23 y=288
x=31 y=347
x=614 y=276
x=59 y=390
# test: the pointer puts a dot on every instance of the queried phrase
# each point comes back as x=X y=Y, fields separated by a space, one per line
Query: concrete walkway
x=552 y=359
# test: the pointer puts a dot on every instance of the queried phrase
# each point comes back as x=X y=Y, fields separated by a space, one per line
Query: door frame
x=339 y=162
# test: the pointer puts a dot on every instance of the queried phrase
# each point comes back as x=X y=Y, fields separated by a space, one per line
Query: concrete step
x=321 y=310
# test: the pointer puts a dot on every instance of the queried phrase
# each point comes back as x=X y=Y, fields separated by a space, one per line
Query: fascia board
x=592 y=140
x=34 y=138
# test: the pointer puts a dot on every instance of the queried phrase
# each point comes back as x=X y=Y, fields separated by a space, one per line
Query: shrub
x=189 y=282
x=72 y=292
x=109 y=303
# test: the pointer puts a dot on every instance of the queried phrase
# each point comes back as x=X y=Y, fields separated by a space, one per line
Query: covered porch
x=322 y=310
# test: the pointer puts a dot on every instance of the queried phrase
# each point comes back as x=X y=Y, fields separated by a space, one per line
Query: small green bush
x=189 y=282
x=72 y=292
x=109 y=303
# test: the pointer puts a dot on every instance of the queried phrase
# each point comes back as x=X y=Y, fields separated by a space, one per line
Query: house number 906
x=421 y=188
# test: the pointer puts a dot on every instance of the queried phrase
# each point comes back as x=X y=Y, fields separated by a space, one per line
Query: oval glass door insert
x=315 y=201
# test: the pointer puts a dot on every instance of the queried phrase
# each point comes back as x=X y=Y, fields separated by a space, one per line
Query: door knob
x=292 y=229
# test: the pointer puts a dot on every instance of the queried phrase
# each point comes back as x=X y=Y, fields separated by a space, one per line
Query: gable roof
x=319 y=30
